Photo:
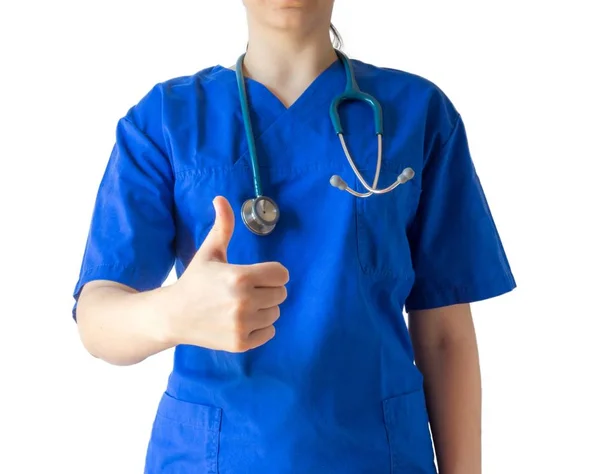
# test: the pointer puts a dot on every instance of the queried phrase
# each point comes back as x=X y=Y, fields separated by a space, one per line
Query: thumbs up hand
x=222 y=306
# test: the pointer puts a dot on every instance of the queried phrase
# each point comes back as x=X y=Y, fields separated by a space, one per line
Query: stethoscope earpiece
x=337 y=182
x=260 y=214
x=406 y=175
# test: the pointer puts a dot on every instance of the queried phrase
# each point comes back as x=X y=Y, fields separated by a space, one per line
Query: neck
x=285 y=64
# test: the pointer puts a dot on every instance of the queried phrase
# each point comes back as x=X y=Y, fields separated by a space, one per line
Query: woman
x=335 y=389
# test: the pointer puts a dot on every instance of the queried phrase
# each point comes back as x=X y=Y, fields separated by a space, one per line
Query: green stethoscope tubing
x=261 y=213
x=352 y=92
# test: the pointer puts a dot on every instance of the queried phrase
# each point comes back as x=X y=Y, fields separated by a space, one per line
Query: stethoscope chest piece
x=260 y=215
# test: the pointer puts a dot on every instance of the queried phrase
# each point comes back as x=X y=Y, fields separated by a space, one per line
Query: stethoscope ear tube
x=261 y=214
x=337 y=182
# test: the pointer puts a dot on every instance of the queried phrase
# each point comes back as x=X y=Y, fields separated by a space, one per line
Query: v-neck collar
x=266 y=108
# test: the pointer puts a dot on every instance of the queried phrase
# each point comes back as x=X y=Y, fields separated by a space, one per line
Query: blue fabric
x=336 y=391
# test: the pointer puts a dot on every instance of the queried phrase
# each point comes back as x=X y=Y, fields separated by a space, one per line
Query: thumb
x=216 y=242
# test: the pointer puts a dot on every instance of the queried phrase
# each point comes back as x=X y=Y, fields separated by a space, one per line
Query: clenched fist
x=222 y=306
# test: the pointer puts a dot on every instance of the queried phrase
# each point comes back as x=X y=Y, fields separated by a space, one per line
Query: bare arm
x=446 y=353
x=121 y=326
x=213 y=305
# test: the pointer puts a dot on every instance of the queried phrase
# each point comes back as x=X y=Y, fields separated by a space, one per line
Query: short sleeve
x=131 y=235
x=456 y=250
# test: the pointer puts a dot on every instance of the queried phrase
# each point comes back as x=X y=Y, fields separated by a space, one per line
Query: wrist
x=163 y=309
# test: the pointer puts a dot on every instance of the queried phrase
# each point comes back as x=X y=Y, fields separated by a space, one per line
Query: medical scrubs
x=336 y=390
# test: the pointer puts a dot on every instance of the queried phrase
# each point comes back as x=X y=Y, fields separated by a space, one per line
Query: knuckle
x=239 y=327
x=241 y=305
x=238 y=318
x=238 y=345
x=239 y=278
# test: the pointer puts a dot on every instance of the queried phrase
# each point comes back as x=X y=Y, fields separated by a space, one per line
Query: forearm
x=123 y=327
x=453 y=390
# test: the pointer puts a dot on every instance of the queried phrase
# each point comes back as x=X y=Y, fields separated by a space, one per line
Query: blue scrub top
x=336 y=391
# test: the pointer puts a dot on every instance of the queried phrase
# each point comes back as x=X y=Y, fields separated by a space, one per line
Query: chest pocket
x=381 y=226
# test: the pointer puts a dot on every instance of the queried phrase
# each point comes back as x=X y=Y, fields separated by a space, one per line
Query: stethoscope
x=261 y=213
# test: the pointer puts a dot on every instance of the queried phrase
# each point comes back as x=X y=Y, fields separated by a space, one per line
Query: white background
x=524 y=75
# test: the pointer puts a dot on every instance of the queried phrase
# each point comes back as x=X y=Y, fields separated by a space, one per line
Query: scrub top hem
x=321 y=396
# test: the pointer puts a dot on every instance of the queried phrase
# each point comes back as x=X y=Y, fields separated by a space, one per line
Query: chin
x=291 y=3
x=290 y=19
x=292 y=15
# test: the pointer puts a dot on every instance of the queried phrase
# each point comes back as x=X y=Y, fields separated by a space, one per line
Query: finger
x=216 y=242
x=268 y=274
x=263 y=318
x=264 y=298
x=260 y=336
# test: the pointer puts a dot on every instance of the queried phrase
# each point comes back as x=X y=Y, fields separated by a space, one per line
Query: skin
x=446 y=353
x=289 y=44
x=233 y=308
x=213 y=304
